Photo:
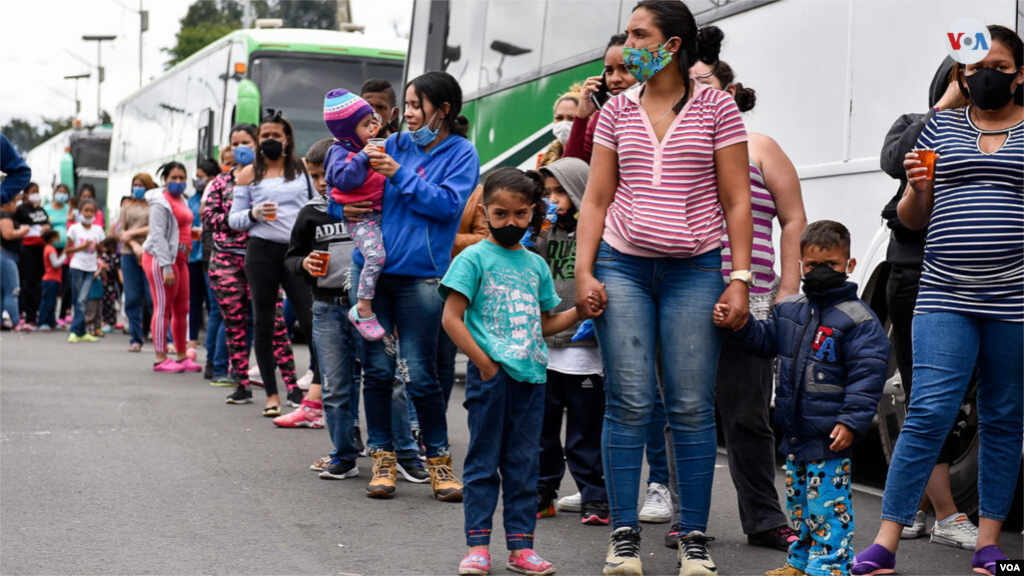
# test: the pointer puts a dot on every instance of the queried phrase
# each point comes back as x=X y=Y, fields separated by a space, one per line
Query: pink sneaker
x=187 y=365
x=170 y=366
x=369 y=328
x=304 y=416
x=529 y=562
x=477 y=562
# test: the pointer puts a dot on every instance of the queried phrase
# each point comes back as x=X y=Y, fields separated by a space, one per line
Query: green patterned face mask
x=644 y=63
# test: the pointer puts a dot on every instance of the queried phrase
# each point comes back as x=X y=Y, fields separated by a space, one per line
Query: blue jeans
x=333 y=341
x=946 y=348
x=505 y=420
x=666 y=303
x=81 y=283
x=48 y=303
x=446 y=352
x=137 y=296
x=216 y=338
x=657 y=458
x=10 y=284
x=413 y=306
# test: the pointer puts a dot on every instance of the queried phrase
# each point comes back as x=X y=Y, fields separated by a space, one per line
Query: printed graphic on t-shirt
x=561 y=258
x=512 y=314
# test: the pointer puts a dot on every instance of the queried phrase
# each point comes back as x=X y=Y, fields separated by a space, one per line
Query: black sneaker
x=672 y=538
x=295 y=397
x=779 y=538
x=208 y=372
x=339 y=470
x=421 y=450
x=546 y=502
x=413 y=471
x=694 y=555
x=242 y=395
x=358 y=437
x=595 y=513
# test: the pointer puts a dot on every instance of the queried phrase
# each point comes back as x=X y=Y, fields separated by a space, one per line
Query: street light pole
x=99 y=40
x=78 y=103
x=143 y=26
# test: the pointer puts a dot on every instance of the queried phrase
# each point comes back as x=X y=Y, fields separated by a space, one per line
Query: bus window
x=465 y=45
x=512 y=41
x=573 y=28
x=297 y=85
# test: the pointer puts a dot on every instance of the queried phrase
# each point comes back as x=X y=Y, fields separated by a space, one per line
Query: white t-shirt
x=577 y=360
x=84 y=260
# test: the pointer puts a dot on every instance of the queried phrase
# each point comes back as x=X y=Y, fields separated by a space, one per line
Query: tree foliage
x=26 y=136
x=209 y=20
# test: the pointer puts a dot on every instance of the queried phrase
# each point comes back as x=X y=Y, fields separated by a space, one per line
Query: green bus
x=188 y=112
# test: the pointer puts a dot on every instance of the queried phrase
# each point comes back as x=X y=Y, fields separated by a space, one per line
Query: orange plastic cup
x=324 y=258
x=197 y=233
x=273 y=215
x=927 y=158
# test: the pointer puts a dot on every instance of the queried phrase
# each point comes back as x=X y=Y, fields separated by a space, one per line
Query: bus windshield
x=296 y=85
x=91 y=156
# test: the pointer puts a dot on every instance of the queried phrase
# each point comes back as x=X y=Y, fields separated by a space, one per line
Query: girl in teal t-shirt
x=497 y=310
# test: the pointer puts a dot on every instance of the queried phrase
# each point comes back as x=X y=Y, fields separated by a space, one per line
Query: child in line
x=575 y=386
x=53 y=264
x=94 y=308
x=83 y=238
x=353 y=122
x=832 y=359
x=112 y=282
x=498 y=302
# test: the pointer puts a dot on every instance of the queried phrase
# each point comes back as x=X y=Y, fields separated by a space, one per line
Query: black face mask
x=989 y=88
x=569 y=221
x=272 y=149
x=821 y=278
x=507 y=236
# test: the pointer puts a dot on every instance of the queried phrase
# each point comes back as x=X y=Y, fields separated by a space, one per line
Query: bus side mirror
x=248 y=107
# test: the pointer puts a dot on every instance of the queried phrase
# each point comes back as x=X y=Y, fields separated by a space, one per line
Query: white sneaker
x=917 y=529
x=254 y=374
x=305 y=381
x=694 y=557
x=570 y=503
x=658 y=505
x=623 y=558
x=956 y=531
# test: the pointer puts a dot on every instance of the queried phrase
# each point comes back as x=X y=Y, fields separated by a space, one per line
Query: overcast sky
x=41 y=42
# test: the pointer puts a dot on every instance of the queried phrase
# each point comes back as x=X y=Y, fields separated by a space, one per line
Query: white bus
x=188 y=112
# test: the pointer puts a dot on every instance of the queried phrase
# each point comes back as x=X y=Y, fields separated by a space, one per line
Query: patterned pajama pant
x=370 y=241
x=231 y=287
x=820 y=509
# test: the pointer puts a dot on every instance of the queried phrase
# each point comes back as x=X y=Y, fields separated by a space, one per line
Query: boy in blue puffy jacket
x=831 y=364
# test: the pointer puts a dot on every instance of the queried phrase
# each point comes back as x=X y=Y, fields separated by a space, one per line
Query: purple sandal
x=875 y=559
x=985 y=560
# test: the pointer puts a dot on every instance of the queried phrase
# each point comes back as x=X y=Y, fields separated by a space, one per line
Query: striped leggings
x=170 y=303
x=231 y=287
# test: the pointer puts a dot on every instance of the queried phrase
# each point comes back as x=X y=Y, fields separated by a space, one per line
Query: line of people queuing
x=627 y=285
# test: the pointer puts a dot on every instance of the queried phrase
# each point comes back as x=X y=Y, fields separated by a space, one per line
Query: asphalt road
x=108 y=468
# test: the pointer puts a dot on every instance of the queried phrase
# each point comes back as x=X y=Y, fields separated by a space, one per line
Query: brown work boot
x=446 y=486
x=787 y=570
x=385 y=474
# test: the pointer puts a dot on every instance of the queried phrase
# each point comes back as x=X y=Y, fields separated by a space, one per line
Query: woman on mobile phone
x=615 y=80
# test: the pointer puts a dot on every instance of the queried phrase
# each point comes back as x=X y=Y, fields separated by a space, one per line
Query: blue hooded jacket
x=831 y=361
x=16 y=173
x=423 y=204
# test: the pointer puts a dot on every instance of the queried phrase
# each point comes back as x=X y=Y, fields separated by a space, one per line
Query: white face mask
x=562 y=130
x=33 y=199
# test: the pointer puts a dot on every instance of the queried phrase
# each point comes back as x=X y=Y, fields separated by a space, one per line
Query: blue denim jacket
x=831 y=361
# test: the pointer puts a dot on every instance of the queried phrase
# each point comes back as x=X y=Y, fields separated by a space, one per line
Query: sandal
x=369 y=328
x=135 y=347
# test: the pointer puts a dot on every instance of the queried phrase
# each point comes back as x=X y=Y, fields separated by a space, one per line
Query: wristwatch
x=744 y=276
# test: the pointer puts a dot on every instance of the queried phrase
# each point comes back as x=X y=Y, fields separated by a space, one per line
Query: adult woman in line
x=970 y=307
x=59 y=211
x=564 y=111
x=618 y=79
x=431 y=172
x=744 y=383
x=670 y=159
x=198 y=290
x=11 y=235
x=268 y=195
x=31 y=214
x=228 y=281
x=133 y=224
x=165 y=260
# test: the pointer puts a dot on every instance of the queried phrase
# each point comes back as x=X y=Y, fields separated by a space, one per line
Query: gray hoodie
x=162 y=242
x=558 y=246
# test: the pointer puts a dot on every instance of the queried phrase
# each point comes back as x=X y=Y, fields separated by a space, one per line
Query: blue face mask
x=176 y=188
x=60 y=197
x=424 y=136
x=244 y=155
x=138 y=192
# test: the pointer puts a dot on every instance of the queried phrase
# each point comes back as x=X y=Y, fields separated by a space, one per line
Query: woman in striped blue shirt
x=971 y=304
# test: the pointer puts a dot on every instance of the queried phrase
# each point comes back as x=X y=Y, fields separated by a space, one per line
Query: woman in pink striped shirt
x=669 y=175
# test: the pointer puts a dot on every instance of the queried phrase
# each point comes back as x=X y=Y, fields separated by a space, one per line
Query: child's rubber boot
x=369 y=328
x=875 y=559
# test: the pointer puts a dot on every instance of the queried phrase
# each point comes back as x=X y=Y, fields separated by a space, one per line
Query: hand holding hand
x=720 y=313
x=591 y=298
x=736 y=299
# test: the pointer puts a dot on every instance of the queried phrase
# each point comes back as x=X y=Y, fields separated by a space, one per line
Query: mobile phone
x=601 y=95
